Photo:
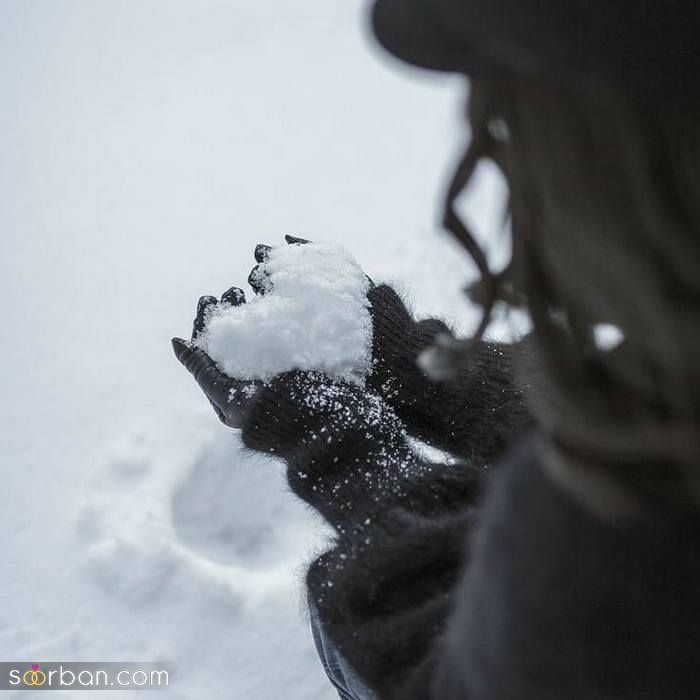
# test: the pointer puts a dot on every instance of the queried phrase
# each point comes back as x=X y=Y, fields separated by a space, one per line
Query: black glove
x=397 y=340
x=231 y=398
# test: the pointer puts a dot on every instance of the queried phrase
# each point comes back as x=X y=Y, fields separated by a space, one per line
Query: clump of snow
x=314 y=315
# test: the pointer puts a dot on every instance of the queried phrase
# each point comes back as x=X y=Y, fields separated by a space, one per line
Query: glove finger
x=204 y=308
x=212 y=381
x=234 y=296
x=391 y=319
x=219 y=413
x=259 y=280
x=384 y=297
x=262 y=252
x=293 y=240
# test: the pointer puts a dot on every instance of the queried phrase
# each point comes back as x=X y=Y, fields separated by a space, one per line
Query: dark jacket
x=478 y=578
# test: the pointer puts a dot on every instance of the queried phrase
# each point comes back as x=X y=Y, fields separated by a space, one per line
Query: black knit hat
x=650 y=47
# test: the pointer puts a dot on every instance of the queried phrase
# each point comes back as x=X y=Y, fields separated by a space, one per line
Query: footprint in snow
x=236 y=508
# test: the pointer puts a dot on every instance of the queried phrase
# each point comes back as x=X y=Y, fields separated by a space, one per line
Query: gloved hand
x=231 y=398
x=396 y=342
x=342 y=444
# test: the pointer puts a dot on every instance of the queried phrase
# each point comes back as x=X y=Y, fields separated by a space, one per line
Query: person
x=556 y=557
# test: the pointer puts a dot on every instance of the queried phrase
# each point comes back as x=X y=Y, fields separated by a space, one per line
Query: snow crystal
x=314 y=316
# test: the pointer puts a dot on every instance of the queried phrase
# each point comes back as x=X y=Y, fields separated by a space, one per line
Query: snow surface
x=147 y=147
x=313 y=316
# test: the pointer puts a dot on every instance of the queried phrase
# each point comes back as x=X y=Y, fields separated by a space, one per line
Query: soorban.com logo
x=34 y=676
x=96 y=675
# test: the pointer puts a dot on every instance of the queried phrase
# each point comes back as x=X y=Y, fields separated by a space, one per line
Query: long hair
x=605 y=220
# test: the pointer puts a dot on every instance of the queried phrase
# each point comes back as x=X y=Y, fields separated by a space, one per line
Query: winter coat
x=479 y=577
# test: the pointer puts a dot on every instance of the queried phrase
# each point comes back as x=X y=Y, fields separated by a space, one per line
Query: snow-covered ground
x=146 y=148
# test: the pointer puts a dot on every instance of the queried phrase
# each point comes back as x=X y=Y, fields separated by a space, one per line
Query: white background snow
x=146 y=147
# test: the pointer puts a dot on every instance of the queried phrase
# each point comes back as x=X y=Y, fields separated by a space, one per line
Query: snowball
x=315 y=316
